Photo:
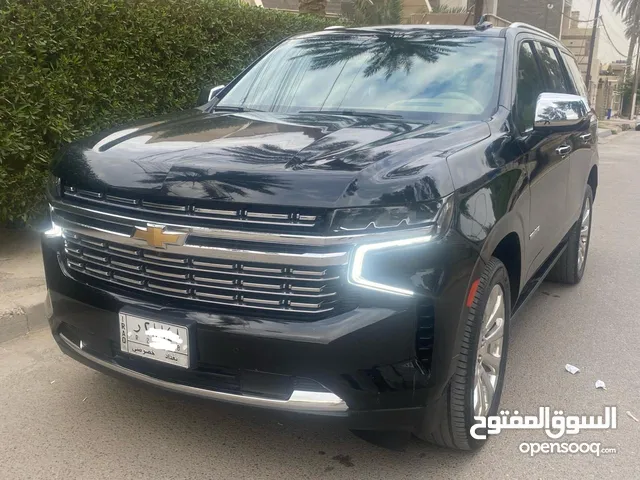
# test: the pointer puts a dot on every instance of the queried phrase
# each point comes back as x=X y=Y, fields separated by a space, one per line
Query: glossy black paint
x=505 y=184
x=258 y=157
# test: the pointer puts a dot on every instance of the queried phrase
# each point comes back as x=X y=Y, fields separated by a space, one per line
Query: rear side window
x=551 y=66
x=576 y=76
x=530 y=84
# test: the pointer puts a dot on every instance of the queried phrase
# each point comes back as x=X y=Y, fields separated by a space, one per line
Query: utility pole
x=635 y=88
x=592 y=46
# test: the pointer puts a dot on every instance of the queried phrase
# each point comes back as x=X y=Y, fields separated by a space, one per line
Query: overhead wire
x=604 y=27
x=584 y=42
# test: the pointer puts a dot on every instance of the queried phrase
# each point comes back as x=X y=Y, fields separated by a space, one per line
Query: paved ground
x=59 y=419
x=21 y=272
x=22 y=285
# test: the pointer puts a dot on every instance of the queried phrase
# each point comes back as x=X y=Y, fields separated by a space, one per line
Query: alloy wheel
x=490 y=348
x=583 y=240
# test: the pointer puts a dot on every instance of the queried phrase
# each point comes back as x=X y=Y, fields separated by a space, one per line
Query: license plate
x=159 y=341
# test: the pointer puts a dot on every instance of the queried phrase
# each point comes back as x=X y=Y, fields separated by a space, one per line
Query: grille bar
x=100 y=236
x=134 y=259
x=93 y=218
x=293 y=218
x=233 y=286
x=211 y=299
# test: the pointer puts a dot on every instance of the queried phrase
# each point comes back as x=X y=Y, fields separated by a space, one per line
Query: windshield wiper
x=230 y=108
x=353 y=113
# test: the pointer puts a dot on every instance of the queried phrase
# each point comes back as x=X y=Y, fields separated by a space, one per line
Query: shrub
x=377 y=12
x=71 y=67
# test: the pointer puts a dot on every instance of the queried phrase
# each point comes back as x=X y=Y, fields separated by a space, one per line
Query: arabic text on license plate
x=160 y=341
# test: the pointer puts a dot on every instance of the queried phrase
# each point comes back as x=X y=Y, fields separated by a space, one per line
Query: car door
x=546 y=155
x=583 y=140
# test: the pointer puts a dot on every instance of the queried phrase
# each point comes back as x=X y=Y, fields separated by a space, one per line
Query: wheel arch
x=506 y=242
x=592 y=180
x=509 y=252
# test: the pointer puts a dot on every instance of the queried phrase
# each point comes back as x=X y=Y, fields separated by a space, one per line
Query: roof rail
x=526 y=26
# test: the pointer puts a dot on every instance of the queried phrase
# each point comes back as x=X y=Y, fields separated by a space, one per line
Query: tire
x=456 y=412
x=568 y=269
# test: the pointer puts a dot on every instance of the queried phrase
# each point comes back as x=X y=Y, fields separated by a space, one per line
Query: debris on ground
x=84 y=398
x=572 y=369
x=632 y=416
x=600 y=384
x=52 y=382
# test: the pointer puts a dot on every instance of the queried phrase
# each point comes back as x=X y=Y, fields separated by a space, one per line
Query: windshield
x=413 y=73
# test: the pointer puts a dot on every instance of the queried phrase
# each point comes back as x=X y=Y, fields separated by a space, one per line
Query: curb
x=604 y=132
x=27 y=316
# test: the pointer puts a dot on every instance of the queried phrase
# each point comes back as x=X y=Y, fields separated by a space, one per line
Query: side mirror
x=207 y=94
x=559 y=110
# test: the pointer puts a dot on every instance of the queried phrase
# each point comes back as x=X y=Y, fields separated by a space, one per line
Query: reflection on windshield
x=439 y=72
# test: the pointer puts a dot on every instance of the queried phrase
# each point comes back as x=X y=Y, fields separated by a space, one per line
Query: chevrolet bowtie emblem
x=156 y=236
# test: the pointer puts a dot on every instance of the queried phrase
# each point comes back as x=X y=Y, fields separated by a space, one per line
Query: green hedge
x=71 y=67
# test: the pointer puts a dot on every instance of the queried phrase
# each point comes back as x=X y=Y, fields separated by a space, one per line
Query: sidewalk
x=22 y=285
x=614 y=126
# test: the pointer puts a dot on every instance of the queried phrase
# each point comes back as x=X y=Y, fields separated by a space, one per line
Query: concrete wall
x=534 y=12
x=411 y=8
x=450 y=19
x=608 y=96
x=334 y=7
x=578 y=41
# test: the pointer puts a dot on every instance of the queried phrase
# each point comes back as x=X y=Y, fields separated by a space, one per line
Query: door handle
x=585 y=137
x=563 y=150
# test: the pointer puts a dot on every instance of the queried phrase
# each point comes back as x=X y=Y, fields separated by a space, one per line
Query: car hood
x=316 y=160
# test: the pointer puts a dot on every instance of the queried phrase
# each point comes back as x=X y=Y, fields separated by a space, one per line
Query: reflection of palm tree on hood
x=220 y=184
x=389 y=50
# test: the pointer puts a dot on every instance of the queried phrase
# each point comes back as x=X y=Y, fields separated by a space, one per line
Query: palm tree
x=390 y=51
x=377 y=12
x=313 y=7
x=629 y=10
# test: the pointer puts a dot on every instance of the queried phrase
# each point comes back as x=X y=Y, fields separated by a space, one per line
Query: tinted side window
x=576 y=76
x=553 y=70
x=530 y=84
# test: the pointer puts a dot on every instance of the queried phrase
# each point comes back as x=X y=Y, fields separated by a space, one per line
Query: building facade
x=578 y=40
x=544 y=14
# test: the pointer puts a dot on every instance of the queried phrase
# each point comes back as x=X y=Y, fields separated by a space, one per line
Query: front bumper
x=358 y=367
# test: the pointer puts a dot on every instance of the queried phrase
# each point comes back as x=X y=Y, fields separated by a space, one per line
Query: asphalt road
x=59 y=419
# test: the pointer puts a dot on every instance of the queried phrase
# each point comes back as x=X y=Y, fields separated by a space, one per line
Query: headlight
x=375 y=219
x=371 y=262
x=54 y=231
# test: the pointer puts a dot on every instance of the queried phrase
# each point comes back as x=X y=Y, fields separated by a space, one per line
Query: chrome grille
x=296 y=289
x=245 y=268
x=283 y=217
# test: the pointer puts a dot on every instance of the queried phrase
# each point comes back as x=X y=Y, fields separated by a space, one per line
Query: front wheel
x=476 y=385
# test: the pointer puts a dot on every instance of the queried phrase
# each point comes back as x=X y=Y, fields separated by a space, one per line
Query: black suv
x=346 y=229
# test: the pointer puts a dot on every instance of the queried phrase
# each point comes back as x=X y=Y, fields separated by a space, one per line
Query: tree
x=389 y=50
x=377 y=12
x=313 y=7
x=629 y=10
